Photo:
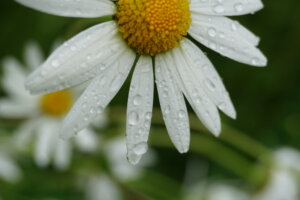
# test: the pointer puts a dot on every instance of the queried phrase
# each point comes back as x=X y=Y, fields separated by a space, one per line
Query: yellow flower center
x=153 y=26
x=56 y=103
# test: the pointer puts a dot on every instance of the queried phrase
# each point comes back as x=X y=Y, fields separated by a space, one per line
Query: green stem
x=217 y=152
x=246 y=144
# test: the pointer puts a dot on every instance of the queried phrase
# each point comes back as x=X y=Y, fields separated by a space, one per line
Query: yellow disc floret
x=153 y=26
x=56 y=103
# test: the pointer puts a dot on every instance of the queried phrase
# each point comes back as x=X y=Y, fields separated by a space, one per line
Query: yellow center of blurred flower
x=153 y=26
x=57 y=103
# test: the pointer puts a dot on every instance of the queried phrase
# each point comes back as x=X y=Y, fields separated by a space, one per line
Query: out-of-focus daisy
x=208 y=189
x=225 y=192
x=103 y=186
x=284 y=177
x=215 y=191
x=281 y=185
x=42 y=114
x=9 y=170
x=106 y=52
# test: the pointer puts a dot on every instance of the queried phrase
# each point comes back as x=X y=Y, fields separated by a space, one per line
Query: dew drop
x=140 y=148
x=181 y=114
x=133 y=118
x=55 y=63
x=137 y=100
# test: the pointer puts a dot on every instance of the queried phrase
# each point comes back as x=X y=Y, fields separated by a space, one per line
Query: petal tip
x=133 y=158
x=183 y=150
x=216 y=131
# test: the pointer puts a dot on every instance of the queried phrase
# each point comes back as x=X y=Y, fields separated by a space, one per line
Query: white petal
x=195 y=94
x=208 y=77
x=228 y=38
x=78 y=60
x=139 y=109
x=25 y=133
x=87 y=140
x=16 y=109
x=9 y=170
x=73 y=8
x=98 y=94
x=33 y=55
x=14 y=78
x=172 y=104
x=63 y=154
x=47 y=135
x=225 y=8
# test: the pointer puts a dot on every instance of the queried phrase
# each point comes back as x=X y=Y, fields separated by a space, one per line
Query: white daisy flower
x=42 y=114
x=105 y=54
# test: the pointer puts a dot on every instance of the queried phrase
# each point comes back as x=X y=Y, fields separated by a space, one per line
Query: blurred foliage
x=267 y=101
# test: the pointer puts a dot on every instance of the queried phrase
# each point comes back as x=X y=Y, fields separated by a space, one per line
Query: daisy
x=156 y=30
x=42 y=114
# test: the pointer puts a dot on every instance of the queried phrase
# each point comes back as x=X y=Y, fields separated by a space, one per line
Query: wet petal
x=225 y=8
x=204 y=108
x=98 y=94
x=67 y=8
x=78 y=60
x=207 y=77
x=228 y=38
x=172 y=104
x=139 y=109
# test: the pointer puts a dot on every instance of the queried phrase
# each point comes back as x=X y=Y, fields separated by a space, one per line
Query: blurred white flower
x=288 y=158
x=9 y=170
x=284 y=182
x=42 y=114
x=102 y=186
x=225 y=192
x=198 y=187
x=281 y=186
x=116 y=154
x=215 y=191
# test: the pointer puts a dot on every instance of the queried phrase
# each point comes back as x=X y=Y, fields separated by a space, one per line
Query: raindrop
x=55 y=63
x=133 y=118
x=137 y=100
x=140 y=148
